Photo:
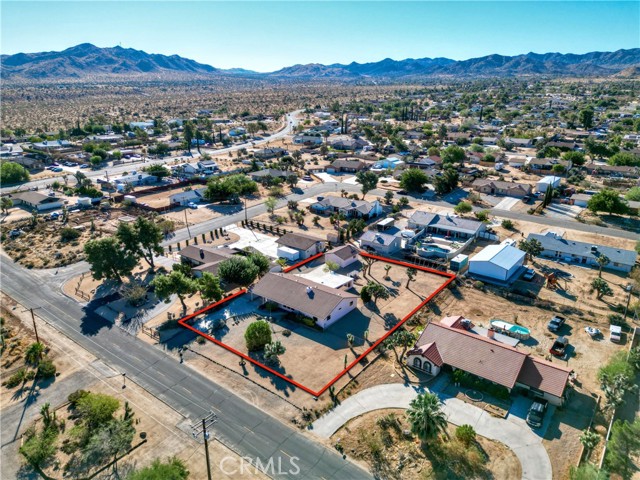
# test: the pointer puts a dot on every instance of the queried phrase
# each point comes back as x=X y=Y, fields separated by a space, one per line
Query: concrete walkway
x=526 y=444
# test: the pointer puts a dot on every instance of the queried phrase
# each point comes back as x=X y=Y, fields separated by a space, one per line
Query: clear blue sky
x=266 y=35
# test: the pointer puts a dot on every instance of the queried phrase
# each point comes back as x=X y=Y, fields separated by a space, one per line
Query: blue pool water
x=519 y=329
x=436 y=248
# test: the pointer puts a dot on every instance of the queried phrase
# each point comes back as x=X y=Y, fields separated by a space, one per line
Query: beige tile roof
x=299 y=241
x=293 y=291
x=204 y=254
x=344 y=252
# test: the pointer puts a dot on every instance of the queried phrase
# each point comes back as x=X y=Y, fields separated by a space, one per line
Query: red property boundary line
x=183 y=321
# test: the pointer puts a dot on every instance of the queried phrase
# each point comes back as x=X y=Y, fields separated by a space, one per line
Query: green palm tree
x=426 y=417
x=34 y=353
x=603 y=261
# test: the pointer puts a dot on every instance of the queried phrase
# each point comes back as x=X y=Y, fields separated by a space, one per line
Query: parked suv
x=555 y=323
x=559 y=347
x=535 y=417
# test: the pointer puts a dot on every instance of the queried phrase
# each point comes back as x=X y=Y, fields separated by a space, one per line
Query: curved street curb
x=524 y=443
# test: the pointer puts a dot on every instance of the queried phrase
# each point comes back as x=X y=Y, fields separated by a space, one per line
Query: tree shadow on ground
x=92 y=323
x=278 y=383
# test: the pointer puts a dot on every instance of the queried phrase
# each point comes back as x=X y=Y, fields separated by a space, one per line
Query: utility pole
x=187 y=222
x=205 y=434
x=33 y=319
x=197 y=429
x=629 y=289
x=35 y=328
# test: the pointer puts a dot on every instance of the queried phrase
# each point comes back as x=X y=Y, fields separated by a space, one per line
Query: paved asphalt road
x=242 y=426
x=290 y=122
x=328 y=188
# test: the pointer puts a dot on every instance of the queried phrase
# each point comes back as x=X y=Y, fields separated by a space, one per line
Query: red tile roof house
x=448 y=344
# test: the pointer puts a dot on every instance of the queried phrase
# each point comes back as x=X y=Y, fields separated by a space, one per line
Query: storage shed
x=288 y=253
x=497 y=263
x=544 y=183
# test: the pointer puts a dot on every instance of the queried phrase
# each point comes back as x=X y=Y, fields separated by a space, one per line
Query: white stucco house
x=292 y=293
x=343 y=256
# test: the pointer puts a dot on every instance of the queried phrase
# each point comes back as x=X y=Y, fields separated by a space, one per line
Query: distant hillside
x=87 y=61
x=594 y=63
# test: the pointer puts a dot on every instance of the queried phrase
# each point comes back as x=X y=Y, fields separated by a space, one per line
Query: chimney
x=491 y=333
x=202 y=254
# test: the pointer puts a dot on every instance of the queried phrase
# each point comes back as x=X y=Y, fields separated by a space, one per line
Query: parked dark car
x=535 y=417
x=559 y=347
x=555 y=323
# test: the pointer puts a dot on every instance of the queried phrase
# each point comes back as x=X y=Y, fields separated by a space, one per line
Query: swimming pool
x=432 y=247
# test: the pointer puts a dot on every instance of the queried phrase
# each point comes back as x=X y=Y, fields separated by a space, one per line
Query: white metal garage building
x=498 y=263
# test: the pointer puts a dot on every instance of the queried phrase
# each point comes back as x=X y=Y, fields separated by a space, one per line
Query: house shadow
x=576 y=413
x=334 y=337
x=530 y=342
x=91 y=322
x=180 y=340
x=225 y=209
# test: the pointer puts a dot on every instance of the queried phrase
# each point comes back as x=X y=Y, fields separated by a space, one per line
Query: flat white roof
x=503 y=255
x=329 y=279
x=289 y=250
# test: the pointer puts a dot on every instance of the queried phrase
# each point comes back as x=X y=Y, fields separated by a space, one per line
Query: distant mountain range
x=86 y=62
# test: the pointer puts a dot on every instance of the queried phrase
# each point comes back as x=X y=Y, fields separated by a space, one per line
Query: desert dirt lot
x=313 y=358
x=400 y=457
x=41 y=246
x=168 y=432
x=586 y=355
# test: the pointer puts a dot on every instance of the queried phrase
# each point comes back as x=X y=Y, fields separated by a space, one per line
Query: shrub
x=615 y=319
x=463 y=207
x=76 y=396
x=257 y=335
x=508 y=224
x=17 y=378
x=478 y=285
x=46 y=369
x=466 y=434
x=68 y=234
x=482 y=215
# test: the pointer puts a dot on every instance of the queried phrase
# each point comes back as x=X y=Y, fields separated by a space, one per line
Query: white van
x=615 y=333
